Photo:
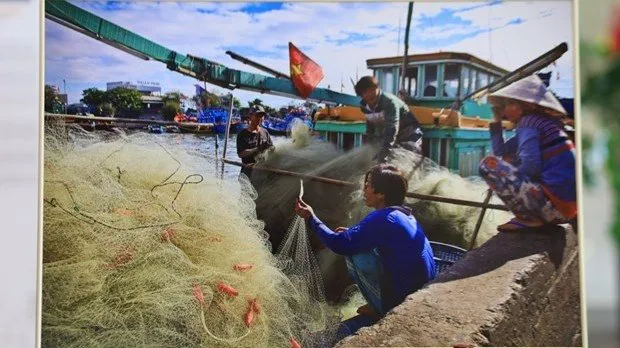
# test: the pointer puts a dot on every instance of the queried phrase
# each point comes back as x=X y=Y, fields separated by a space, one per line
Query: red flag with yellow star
x=305 y=73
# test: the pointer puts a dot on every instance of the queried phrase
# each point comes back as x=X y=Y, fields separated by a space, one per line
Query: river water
x=211 y=148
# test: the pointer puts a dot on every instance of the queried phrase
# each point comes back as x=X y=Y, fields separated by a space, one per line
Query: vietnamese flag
x=305 y=73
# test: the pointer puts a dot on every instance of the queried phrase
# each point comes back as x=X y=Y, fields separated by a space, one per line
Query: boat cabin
x=433 y=82
x=438 y=79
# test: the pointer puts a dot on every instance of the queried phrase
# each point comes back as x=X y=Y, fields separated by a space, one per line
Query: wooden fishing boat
x=283 y=126
x=196 y=128
x=456 y=139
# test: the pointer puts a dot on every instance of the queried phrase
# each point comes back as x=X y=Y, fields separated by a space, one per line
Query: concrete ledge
x=515 y=290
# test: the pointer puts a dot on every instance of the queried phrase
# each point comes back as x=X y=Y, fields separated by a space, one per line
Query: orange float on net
x=124 y=212
x=227 y=289
x=254 y=306
x=248 y=318
x=294 y=343
x=122 y=257
x=198 y=294
x=242 y=267
x=167 y=235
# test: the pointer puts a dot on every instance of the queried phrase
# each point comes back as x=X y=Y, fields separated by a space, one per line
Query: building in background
x=151 y=94
x=144 y=87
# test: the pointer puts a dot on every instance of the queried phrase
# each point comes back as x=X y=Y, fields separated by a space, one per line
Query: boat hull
x=199 y=129
x=426 y=116
x=234 y=128
x=274 y=131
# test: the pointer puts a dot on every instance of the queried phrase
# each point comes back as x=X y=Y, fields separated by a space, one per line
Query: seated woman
x=388 y=255
x=534 y=171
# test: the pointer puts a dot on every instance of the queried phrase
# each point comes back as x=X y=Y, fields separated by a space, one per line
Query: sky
x=340 y=37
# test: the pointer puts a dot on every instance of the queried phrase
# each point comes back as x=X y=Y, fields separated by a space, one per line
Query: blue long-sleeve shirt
x=404 y=250
x=523 y=150
x=542 y=150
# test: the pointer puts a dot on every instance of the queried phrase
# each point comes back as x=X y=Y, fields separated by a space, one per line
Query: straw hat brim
x=530 y=90
x=548 y=110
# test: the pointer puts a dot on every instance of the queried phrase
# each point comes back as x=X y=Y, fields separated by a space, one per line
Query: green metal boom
x=202 y=69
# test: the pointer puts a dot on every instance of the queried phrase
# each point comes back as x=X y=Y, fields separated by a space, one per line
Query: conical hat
x=531 y=90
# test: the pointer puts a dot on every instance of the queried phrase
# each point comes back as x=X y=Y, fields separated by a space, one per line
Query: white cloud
x=182 y=28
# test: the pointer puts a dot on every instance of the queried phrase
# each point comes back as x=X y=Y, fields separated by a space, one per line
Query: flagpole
x=205 y=107
x=227 y=133
x=404 y=71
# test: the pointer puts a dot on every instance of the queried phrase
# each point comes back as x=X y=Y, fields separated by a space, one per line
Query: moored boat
x=283 y=126
x=457 y=139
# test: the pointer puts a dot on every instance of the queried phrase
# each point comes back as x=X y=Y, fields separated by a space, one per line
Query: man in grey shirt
x=253 y=141
x=390 y=119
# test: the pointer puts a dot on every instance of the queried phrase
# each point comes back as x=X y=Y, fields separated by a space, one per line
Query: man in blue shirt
x=387 y=253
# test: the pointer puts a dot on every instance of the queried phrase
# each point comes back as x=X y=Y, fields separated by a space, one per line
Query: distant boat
x=196 y=128
x=219 y=118
x=172 y=129
x=156 y=128
x=283 y=126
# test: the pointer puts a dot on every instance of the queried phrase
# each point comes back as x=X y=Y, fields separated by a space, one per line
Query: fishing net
x=341 y=205
x=337 y=204
x=144 y=247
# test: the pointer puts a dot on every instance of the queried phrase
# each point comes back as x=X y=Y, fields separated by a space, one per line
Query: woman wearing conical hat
x=534 y=171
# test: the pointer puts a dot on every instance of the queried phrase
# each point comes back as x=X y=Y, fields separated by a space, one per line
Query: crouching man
x=387 y=253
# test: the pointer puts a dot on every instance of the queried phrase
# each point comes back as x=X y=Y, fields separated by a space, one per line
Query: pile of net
x=341 y=205
x=143 y=247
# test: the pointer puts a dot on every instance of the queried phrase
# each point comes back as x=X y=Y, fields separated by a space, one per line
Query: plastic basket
x=446 y=255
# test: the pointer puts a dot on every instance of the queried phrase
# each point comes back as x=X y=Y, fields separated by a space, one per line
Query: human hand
x=498 y=113
x=340 y=229
x=302 y=209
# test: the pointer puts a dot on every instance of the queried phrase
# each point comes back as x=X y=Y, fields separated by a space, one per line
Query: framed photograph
x=307 y=174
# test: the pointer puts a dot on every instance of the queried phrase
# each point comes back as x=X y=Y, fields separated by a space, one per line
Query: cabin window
x=451 y=80
x=388 y=84
x=481 y=80
x=473 y=78
x=411 y=81
x=378 y=74
x=430 y=80
x=465 y=81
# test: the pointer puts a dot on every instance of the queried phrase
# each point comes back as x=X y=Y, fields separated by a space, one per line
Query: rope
x=348 y=183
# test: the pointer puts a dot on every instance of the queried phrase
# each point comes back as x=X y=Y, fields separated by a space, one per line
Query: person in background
x=387 y=253
x=393 y=123
x=534 y=171
x=253 y=141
